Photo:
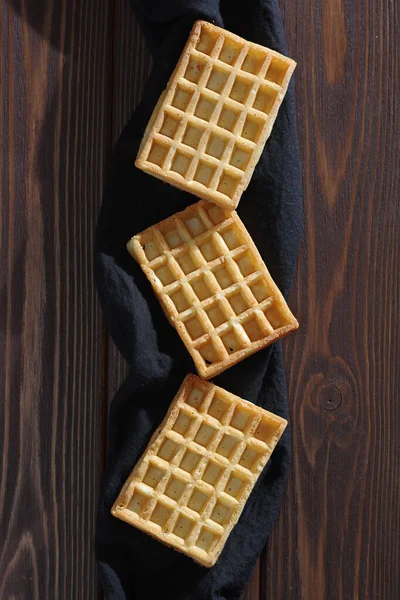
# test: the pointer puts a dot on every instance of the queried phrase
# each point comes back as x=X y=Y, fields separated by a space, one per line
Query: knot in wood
x=330 y=397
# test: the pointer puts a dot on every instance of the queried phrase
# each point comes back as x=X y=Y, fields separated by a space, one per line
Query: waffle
x=213 y=285
x=193 y=480
x=210 y=125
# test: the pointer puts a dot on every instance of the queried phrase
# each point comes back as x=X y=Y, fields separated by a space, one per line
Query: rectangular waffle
x=213 y=285
x=193 y=480
x=208 y=129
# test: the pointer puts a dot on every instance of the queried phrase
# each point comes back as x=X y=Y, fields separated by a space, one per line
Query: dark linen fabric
x=131 y=564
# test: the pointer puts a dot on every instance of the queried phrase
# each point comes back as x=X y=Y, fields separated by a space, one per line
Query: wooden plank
x=55 y=107
x=337 y=536
x=252 y=590
x=131 y=67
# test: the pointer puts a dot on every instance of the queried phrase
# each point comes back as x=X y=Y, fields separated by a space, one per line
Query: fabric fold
x=131 y=564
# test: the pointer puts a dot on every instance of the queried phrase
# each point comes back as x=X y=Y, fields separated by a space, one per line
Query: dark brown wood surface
x=70 y=78
x=55 y=144
x=338 y=534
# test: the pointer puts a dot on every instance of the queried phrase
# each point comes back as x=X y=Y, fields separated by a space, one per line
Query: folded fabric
x=131 y=564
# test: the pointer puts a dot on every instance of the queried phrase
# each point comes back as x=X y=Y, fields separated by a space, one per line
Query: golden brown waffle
x=213 y=285
x=193 y=480
x=210 y=125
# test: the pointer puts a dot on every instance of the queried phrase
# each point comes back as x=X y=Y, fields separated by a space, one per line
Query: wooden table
x=70 y=78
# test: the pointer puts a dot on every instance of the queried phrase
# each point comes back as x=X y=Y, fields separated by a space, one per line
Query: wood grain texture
x=131 y=68
x=55 y=93
x=338 y=532
x=71 y=78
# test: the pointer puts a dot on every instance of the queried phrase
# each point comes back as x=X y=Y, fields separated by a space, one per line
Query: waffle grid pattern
x=195 y=476
x=213 y=285
x=207 y=133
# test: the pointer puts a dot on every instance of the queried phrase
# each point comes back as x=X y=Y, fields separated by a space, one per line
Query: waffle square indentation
x=175 y=488
x=198 y=500
x=230 y=51
x=216 y=145
x=161 y=514
x=192 y=136
x=277 y=70
x=181 y=98
x=181 y=163
x=217 y=80
x=183 y=527
x=153 y=475
x=194 y=69
x=205 y=108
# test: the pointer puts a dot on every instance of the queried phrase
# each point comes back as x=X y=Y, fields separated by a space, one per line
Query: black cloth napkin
x=131 y=564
